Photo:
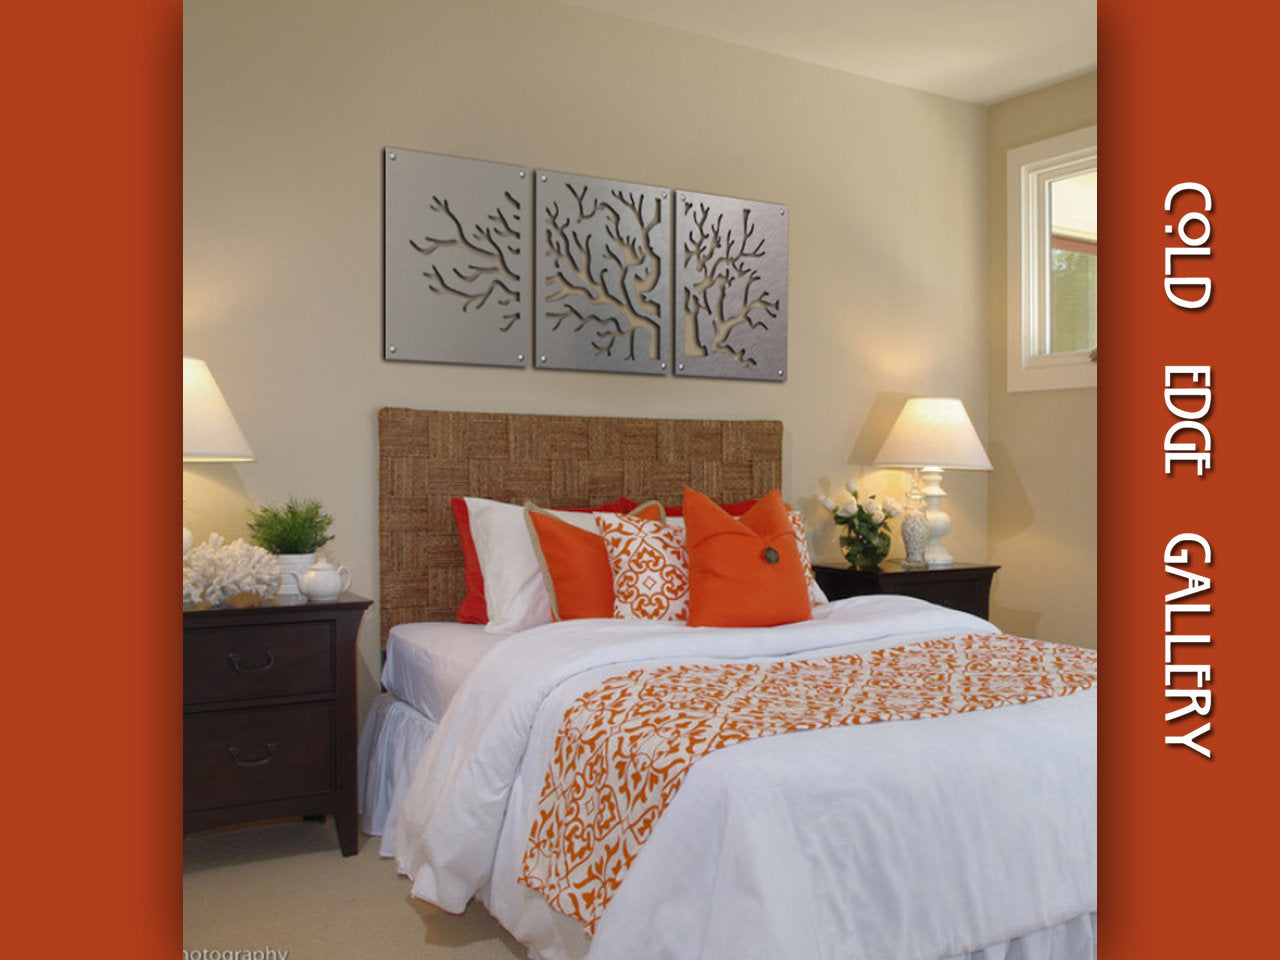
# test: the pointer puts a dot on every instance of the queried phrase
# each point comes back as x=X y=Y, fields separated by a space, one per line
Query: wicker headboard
x=428 y=456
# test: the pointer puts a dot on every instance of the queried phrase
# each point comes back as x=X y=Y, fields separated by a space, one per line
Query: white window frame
x=1029 y=173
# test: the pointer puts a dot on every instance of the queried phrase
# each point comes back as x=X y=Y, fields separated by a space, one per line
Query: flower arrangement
x=300 y=526
x=865 y=539
x=235 y=573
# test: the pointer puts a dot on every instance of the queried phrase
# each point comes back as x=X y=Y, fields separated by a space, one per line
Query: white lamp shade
x=209 y=431
x=934 y=432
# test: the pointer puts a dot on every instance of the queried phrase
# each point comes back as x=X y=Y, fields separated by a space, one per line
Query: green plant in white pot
x=293 y=533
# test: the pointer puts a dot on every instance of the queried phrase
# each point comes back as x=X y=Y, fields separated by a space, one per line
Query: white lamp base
x=935 y=554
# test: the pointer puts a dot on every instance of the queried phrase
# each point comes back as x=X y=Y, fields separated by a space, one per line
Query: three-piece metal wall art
x=488 y=263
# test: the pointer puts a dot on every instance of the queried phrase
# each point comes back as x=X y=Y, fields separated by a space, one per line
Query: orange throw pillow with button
x=743 y=571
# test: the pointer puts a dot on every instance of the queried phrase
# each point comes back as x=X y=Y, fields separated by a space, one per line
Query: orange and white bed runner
x=624 y=747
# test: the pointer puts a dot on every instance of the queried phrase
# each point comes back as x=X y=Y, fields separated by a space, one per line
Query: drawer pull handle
x=271 y=755
x=241 y=668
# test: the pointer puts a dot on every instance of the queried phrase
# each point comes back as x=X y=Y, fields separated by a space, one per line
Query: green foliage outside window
x=1073 y=287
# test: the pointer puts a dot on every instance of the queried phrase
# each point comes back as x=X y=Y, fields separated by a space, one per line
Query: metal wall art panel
x=602 y=275
x=731 y=288
x=455 y=260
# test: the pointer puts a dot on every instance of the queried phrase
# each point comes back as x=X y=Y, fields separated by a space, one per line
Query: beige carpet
x=285 y=886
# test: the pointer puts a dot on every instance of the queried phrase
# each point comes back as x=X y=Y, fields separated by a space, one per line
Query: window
x=1053 y=262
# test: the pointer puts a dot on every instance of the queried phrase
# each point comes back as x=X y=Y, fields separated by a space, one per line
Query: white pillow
x=514 y=589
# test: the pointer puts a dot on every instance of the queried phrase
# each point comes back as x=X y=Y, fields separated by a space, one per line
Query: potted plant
x=293 y=533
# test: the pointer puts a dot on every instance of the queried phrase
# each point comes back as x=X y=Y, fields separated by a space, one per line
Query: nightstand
x=269 y=714
x=962 y=586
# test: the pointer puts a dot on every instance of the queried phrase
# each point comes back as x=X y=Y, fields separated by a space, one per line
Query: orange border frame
x=95 y=148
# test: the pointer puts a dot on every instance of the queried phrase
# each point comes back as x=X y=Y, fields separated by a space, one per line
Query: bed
x=957 y=833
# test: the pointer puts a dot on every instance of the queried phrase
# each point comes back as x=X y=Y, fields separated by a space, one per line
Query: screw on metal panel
x=664 y=366
x=543 y=178
x=391 y=155
x=779 y=373
x=679 y=366
x=520 y=357
x=391 y=349
x=521 y=174
x=782 y=212
x=542 y=359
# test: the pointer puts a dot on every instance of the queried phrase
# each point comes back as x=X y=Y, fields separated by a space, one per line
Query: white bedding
x=425 y=665
x=912 y=839
x=427 y=662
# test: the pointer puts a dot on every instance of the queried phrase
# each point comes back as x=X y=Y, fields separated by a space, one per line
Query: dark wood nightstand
x=963 y=586
x=269 y=714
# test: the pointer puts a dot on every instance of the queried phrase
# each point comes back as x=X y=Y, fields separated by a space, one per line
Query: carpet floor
x=286 y=887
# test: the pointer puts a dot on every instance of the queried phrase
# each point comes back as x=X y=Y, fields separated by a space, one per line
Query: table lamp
x=210 y=433
x=933 y=434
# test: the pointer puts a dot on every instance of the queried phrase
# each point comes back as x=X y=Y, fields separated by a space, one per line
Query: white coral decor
x=214 y=572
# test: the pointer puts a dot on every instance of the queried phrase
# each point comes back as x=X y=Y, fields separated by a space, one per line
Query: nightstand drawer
x=250 y=662
x=965 y=595
x=961 y=586
x=247 y=756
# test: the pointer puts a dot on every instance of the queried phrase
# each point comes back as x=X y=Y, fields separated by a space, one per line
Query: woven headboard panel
x=429 y=456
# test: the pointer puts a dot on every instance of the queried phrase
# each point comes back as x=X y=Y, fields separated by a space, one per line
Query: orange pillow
x=474 y=607
x=745 y=571
x=575 y=564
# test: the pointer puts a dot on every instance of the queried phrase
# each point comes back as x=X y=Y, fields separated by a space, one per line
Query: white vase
x=915 y=532
x=292 y=567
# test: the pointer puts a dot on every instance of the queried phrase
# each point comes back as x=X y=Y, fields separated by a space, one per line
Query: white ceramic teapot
x=322 y=580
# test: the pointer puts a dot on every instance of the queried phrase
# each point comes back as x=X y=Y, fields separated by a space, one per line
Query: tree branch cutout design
x=722 y=287
x=605 y=295
x=489 y=256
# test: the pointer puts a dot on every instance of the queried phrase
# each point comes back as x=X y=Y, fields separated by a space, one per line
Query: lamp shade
x=933 y=432
x=209 y=431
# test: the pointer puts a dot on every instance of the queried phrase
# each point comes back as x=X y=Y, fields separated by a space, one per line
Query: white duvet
x=896 y=841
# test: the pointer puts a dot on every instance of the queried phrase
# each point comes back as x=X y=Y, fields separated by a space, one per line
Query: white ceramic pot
x=292 y=568
x=324 y=581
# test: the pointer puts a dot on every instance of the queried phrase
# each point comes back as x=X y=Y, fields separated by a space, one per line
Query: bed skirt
x=394 y=739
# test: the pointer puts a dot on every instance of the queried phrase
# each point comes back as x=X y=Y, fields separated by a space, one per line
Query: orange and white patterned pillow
x=650 y=568
x=816 y=596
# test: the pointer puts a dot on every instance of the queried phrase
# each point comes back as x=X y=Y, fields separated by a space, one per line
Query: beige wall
x=1043 y=492
x=287 y=106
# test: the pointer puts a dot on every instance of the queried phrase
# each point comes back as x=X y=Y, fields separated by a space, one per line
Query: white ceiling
x=978 y=51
